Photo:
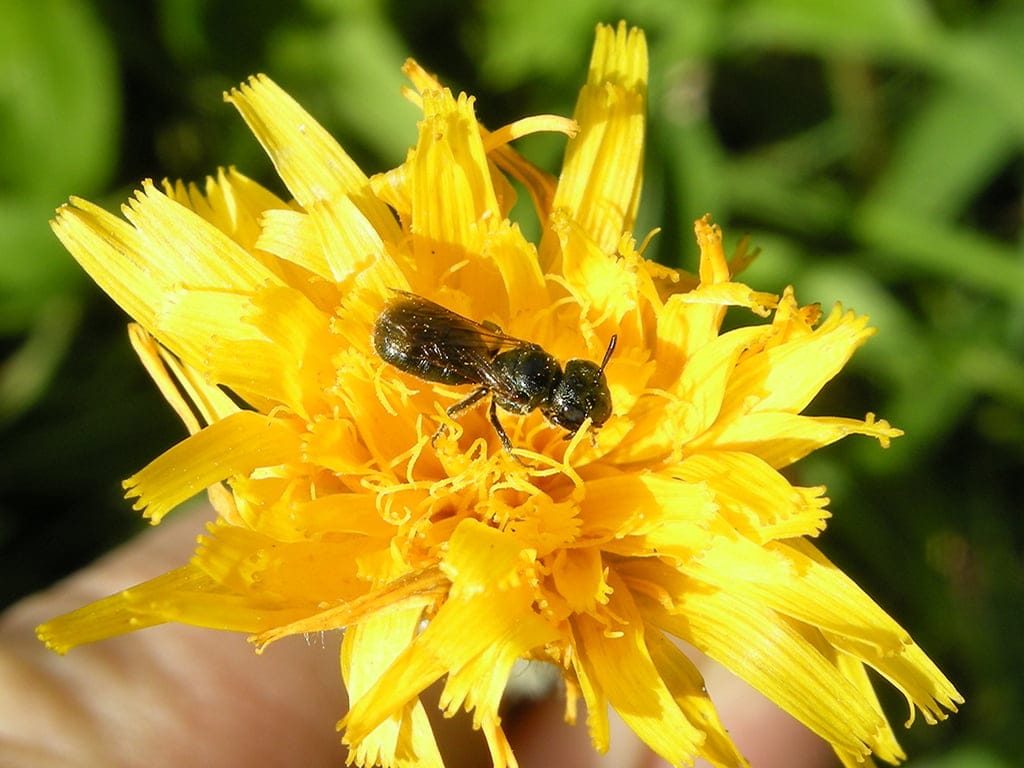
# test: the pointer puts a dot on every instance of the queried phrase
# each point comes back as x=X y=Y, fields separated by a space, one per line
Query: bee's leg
x=469 y=402
x=458 y=408
x=492 y=412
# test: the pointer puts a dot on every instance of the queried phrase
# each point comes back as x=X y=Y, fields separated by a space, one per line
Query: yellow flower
x=341 y=504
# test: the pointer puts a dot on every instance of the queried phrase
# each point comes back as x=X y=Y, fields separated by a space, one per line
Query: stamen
x=527 y=125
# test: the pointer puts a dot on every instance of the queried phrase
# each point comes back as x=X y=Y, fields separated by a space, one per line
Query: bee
x=424 y=339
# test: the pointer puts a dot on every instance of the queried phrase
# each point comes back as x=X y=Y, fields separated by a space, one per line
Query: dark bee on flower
x=432 y=343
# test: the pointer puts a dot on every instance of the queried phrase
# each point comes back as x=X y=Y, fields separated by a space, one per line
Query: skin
x=174 y=695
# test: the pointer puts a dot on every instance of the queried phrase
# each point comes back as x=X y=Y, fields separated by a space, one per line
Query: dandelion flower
x=441 y=554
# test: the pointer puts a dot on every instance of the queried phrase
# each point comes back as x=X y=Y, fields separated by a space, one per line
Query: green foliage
x=60 y=107
x=872 y=149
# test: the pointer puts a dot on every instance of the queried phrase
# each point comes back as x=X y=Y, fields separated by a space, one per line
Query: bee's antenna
x=608 y=352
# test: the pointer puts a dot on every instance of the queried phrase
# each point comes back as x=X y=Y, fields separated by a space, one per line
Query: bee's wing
x=448 y=340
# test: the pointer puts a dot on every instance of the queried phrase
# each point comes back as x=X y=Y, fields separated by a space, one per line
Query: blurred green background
x=873 y=150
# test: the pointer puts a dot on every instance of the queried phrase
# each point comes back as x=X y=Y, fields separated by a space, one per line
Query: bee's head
x=582 y=393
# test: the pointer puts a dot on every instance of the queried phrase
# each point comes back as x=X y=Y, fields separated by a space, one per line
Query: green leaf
x=892 y=28
x=59 y=98
x=945 y=154
x=353 y=59
x=522 y=39
x=59 y=101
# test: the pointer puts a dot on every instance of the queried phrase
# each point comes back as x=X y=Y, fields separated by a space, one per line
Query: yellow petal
x=353 y=225
x=451 y=184
x=292 y=361
x=479 y=685
x=405 y=738
x=236 y=445
x=144 y=268
x=886 y=747
x=298 y=573
x=788 y=376
x=488 y=611
x=702 y=386
x=182 y=387
x=704 y=318
x=794 y=579
x=112 y=615
x=185 y=595
x=515 y=262
x=755 y=499
x=647 y=515
x=232 y=202
x=579 y=578
x=686 y=683
x=608 y=286
x=615 y=660
x=781 y=439
x=603 y=166
x=911 y=672
x=460 y=631
x=415 y=591
x=292 y=236
x=773 y=656
x=180 y=247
